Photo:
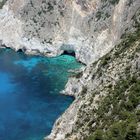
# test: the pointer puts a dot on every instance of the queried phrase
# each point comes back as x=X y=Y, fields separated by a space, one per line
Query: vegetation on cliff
x=119 y=112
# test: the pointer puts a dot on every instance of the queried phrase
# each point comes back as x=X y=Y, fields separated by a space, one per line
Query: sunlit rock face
x=88 y=27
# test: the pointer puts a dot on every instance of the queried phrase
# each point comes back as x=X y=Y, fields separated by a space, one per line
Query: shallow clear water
x=29 y=94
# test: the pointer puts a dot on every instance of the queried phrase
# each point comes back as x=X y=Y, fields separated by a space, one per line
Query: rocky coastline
x=91 y=29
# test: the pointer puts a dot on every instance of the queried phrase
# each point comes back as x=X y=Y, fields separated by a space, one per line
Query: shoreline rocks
x=90 y=28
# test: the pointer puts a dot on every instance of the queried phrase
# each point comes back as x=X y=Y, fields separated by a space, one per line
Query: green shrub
x=98 y=135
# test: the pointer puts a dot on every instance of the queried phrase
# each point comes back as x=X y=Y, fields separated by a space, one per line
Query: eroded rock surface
x=91 y=28
x=105 y=92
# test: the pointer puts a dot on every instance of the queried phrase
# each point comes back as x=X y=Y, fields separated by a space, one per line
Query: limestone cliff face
x=107 y=96
x=91 y=28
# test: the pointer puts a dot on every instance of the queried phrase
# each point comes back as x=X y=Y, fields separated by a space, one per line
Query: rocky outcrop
x=107 y=92
x=91 y=28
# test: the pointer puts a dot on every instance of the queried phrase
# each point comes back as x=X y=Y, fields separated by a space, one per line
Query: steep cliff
x=107 y=102
x=90 y=28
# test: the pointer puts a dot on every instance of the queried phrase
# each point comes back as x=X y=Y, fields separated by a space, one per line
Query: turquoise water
x=30 y=101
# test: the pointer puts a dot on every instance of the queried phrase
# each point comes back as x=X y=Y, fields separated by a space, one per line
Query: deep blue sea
x=30 y=101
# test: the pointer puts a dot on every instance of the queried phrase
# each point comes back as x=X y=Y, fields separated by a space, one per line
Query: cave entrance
x=69 y=52
x=19 y=50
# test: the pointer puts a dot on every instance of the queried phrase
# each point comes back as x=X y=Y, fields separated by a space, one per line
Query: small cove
x=30 y=101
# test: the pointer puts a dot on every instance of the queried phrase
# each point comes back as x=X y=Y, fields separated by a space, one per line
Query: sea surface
x=30 y=101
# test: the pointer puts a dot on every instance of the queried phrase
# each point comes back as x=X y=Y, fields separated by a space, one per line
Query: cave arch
x=19 y=50
x=69 y=52
x=68 y=49
x=22 y=49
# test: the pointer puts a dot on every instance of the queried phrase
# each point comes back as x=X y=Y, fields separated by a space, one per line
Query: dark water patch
x=29 y=94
